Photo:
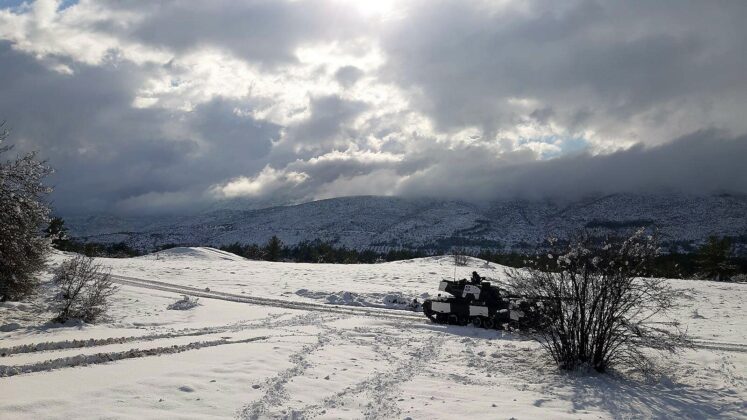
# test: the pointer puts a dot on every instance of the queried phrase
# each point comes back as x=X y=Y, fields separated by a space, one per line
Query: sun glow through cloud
x=380 y=9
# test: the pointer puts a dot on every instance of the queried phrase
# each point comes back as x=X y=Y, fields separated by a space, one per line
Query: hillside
x=297 y=341
x=383 y=223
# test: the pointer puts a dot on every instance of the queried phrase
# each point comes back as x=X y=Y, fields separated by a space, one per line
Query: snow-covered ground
x=335 y=341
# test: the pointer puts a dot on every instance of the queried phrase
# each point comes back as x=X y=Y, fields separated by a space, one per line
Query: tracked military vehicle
x=484 y=305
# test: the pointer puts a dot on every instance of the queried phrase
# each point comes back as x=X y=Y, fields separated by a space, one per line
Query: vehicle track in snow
x=351 y=310
x=278 y=303
x=99 y=358
x=278 y=322
x=718 y=345
x=51 y=346
x=273 y=321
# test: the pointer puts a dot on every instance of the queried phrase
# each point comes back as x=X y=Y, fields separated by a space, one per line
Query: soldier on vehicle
x=476 y=279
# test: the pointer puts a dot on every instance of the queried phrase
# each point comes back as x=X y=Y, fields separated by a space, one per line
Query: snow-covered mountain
x=383 y=223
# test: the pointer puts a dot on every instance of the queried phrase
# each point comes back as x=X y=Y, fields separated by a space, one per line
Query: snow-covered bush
x=23 y=213
x=84 y=290
x=183 y=304
x=597 y=311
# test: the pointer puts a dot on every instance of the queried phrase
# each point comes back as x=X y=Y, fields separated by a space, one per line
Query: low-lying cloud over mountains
x=173 y=106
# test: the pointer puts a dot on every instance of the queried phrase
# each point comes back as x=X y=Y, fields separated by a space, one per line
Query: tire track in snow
x=99 y=358
x=270 y=321
x=716 y=345
x=278 y=303
x=49 y=346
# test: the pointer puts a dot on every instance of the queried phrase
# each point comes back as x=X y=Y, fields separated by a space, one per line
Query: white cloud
x=266 y=182
x=44 y=30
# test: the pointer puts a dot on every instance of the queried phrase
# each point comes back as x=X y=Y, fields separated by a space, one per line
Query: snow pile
x=372 y=300
x=397 y=301
x=346 y=298
x=12 y=326
x=335 y=298
x=184 y=304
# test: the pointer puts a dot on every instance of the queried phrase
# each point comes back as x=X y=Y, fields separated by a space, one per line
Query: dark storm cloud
x=327 y=121
x=262 y=32
x=233 y=139
x=703 y=162
x=608 y=60
x=348 y=75
x=106 y=152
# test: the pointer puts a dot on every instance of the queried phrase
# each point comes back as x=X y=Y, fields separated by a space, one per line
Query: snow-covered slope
x=382 y=223
x=203 y=254
x=290 y=354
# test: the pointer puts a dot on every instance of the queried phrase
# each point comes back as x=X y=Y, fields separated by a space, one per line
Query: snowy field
x=283 y=340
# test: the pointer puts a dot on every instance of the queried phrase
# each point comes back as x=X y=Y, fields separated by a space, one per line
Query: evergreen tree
x=713 y=259
x=273 y=248
x=23 y=214
x=57 y=232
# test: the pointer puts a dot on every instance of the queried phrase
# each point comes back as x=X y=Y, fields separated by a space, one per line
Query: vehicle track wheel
x=453 y=319
x=476 y=322
x=488 y=323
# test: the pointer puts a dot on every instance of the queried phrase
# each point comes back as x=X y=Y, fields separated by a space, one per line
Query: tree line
x=318 y=251
x=714 y=260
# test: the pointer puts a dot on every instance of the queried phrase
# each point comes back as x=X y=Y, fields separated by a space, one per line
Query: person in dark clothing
x=476 y=278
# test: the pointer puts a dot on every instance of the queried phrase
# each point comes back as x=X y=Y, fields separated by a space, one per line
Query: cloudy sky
x=169 y=106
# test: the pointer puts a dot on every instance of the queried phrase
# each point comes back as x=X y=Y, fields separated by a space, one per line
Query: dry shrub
x=598 y=311
x=84 y=290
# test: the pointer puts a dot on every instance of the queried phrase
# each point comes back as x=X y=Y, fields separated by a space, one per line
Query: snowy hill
x=197 y=254
x=298 y=341
x=382 y=223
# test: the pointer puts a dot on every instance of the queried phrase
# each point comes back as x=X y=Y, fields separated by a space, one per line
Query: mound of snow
x=372 y=300
x=10 y=327
x=448 y=260
x=184 y=304
x=194 y=253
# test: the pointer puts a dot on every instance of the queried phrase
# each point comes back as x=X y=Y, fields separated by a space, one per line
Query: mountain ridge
x=375 y=222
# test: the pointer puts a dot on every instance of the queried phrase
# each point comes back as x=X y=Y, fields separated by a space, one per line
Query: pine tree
x=57 y=233
x=23 y=213
x=273 y=248
x=713 y=259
